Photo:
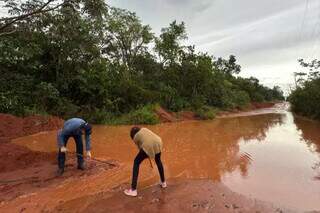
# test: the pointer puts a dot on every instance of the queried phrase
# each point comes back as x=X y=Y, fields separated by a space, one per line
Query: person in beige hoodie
x=150 y=146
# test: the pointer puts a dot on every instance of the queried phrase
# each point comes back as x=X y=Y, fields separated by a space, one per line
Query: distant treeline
x=84 y=58
x=305 y=99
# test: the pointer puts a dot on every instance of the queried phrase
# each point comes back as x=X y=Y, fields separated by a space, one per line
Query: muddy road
x=266 y=160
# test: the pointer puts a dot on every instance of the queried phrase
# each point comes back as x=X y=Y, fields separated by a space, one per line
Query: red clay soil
x=24 y=172
x=41 y=175
x=14 y=157
x=256 y=105
x=14 y=127
x=180 y=196
x=250 y=107
x=188 y=115
x=29 y=175
x=166 y=116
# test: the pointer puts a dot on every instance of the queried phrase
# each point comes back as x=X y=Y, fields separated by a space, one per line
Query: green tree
x=305 y=99
x=125 y=37
x=168 y=45
x=228 y=66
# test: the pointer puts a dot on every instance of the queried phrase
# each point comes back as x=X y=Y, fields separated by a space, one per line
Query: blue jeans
x=79 y=148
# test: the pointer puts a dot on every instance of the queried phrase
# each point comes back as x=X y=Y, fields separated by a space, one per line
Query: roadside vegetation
x=305 y=99
x=84 y=58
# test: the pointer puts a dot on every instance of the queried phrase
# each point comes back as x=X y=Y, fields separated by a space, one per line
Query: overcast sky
x=266 y=36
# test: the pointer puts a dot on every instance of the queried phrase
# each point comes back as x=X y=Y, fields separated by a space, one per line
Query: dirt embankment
x=14 y=157
x=167 y=116
x=13 y=127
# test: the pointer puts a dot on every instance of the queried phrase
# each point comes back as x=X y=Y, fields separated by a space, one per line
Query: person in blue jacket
x=73 y=127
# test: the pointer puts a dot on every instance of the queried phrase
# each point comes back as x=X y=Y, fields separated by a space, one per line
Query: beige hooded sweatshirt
x=148 y=141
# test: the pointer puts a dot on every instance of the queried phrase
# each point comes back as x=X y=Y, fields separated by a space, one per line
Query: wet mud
x=266 y=160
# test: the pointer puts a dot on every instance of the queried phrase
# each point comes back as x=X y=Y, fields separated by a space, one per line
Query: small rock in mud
x=23 y=209
x=234 y=206
x=203 y=204
x=227 y=206
x=155 y=200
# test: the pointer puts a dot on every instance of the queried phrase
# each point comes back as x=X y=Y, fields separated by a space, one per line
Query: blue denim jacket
x=73 y=127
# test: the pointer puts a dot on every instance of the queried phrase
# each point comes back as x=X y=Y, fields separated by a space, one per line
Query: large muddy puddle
x=268 y=155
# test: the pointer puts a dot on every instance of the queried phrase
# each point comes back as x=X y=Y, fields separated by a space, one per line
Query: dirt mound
x=166 y=116
x=31 y=179
x=251 y=107
x=256 y=105
x=13 y=127
x=180 y=196
x=14 y=157
x=187 y=115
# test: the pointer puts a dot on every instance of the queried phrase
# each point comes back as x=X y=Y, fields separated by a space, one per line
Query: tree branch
x=7 y=33
x=38 y=11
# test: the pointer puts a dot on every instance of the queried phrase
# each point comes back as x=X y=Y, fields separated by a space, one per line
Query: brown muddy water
x=267 y=154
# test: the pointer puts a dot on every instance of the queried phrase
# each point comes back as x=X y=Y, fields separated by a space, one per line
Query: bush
x=96 y=116
x=65 y=108
x=306 y=100
x=206 y=112
x=10 y=103
x=142 y=115
x=240 y=98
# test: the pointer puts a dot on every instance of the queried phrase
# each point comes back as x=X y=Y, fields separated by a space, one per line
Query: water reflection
x=310 y=131
x=281 y=171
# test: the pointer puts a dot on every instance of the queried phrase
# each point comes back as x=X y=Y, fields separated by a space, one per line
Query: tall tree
x=168 y=45
x=228 y=66
x=126 y=37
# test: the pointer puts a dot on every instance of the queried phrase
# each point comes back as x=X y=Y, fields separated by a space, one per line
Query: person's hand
x=88 y=154
x=63 y=149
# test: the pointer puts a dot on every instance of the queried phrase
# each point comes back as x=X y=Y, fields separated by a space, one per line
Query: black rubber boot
x=60 y=172
x=61 y=162
x=81 y=166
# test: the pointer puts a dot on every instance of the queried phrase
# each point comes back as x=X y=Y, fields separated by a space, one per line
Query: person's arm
x=137 y=141
x=88 y=144
x=60 y=141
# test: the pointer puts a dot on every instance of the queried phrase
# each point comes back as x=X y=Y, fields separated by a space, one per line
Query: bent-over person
x=73 y=127
x=150 y=146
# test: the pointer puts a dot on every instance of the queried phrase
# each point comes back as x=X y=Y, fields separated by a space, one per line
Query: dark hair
x=87 y=128
x=134 y=131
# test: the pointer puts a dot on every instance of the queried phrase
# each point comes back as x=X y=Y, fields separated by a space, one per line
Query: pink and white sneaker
x=130 y=192
x=163 y=185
